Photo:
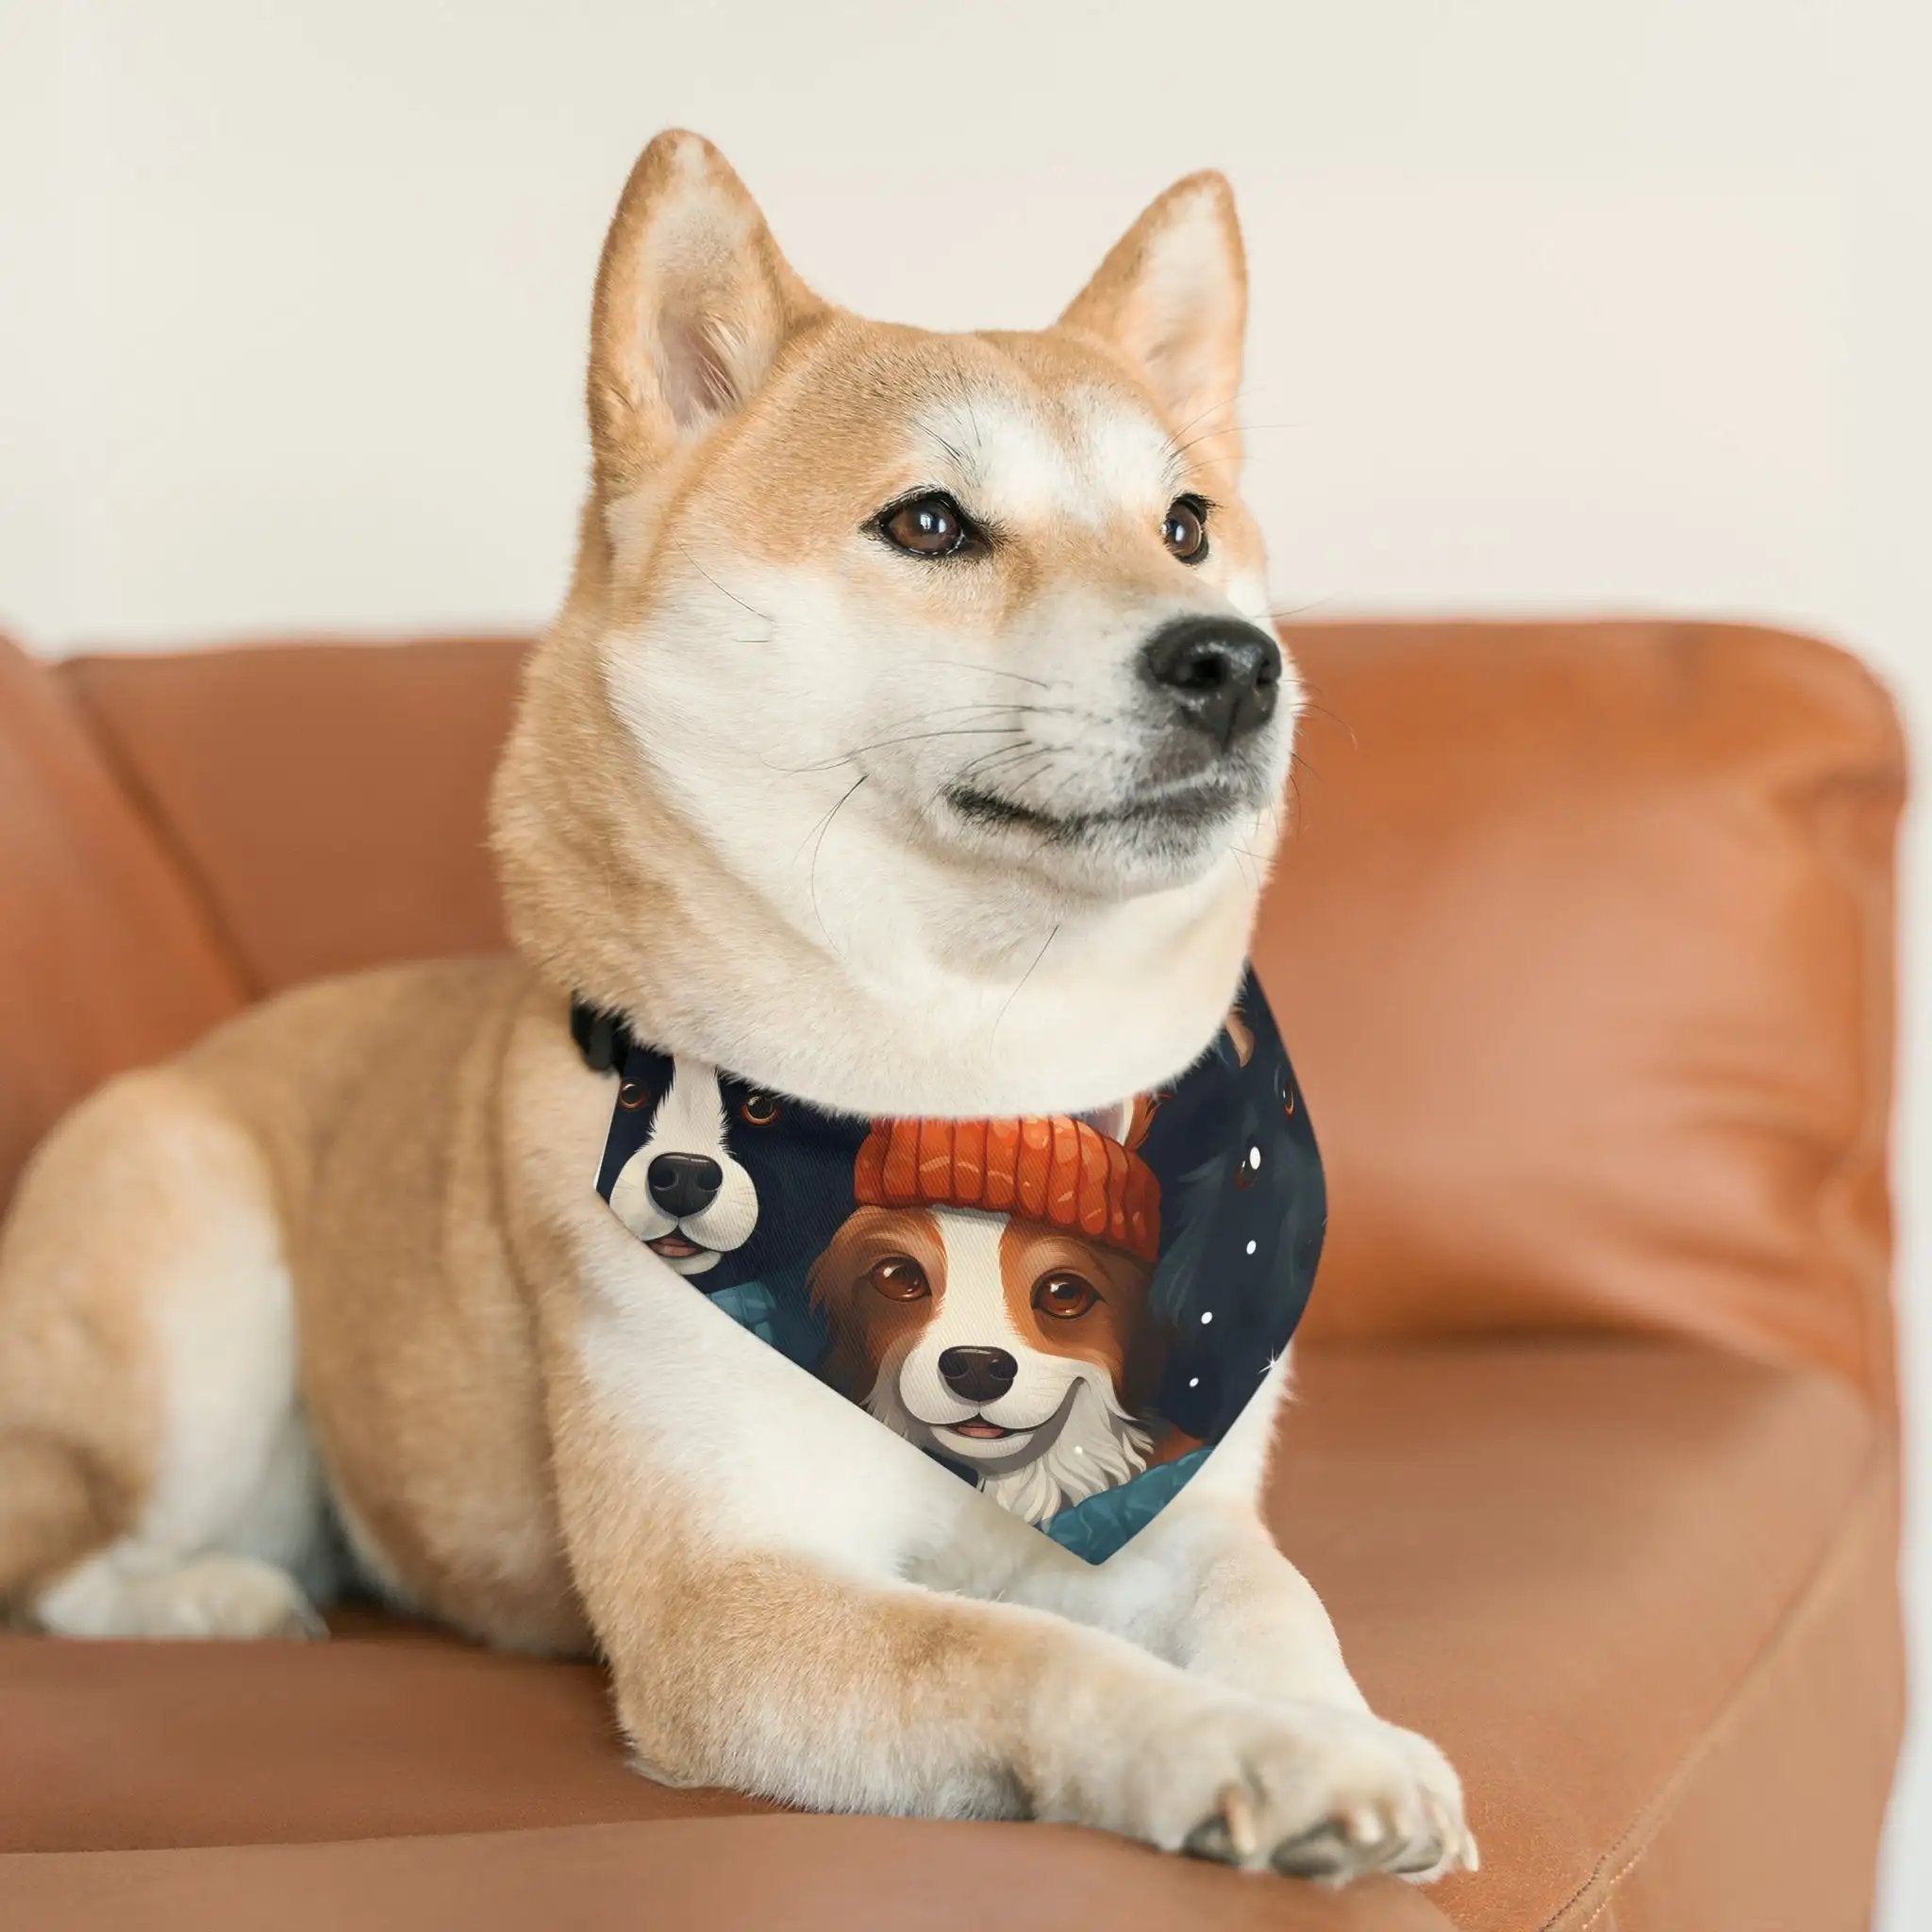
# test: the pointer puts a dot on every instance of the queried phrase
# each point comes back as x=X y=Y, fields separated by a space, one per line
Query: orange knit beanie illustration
x=1057 y=1169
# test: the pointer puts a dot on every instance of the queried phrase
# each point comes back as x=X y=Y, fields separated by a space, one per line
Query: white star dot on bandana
x=1251 y=1247
x=1206 y=1316
x=1193 y=1381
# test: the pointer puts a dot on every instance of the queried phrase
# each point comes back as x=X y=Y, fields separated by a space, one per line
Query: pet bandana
x=1068 y=1312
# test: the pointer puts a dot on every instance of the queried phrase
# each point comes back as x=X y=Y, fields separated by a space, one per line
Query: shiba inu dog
x=905 y=743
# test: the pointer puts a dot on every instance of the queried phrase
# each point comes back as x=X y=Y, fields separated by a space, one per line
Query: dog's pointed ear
x=1172 y=297
x=693 y=304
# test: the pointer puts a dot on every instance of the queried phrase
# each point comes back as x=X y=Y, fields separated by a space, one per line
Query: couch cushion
x=1641 y=1594
x=1645 y=1596
x=1583 y=947
x=106 y=957
x=332 y=796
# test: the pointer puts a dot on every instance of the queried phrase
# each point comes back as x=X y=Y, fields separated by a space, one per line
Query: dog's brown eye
x=760 y=1110
x=899 y=1278
x=1063 y=1296
x=931 y=525
x=633 y=1094
x=1185 y=531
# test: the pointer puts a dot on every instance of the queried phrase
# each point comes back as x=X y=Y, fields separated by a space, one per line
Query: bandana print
x=1068 y=1312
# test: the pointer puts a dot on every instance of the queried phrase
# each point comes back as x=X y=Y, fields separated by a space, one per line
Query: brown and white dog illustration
x=989 y=1301
x=906 y=744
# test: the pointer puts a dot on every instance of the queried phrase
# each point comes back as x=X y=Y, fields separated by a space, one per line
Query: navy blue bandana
x=1069 y=1312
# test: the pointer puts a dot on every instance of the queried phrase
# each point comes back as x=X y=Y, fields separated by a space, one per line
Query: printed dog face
x=1000 y=1342
x=683 y=1193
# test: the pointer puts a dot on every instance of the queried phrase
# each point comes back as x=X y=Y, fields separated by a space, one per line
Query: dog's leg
x=155 y=1476
x=744 y=1540
x=1205 y=1587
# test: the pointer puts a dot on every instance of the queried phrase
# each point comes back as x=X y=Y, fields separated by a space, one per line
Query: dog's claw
x=1237 y=1809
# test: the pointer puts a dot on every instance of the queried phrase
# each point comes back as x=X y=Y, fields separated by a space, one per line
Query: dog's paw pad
x=1327 y=1853
x=1211 y=1839
x=302 y=1624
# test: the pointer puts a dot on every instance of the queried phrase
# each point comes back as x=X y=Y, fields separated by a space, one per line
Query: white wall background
x=1557 y=305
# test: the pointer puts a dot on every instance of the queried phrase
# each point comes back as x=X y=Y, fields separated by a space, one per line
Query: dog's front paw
x=1312 y=1790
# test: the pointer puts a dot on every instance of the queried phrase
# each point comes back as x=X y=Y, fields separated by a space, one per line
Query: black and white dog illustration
x=682 y=1192
x=730 y=1183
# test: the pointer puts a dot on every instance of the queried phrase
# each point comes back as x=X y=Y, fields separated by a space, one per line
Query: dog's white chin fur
x=1093 y=1443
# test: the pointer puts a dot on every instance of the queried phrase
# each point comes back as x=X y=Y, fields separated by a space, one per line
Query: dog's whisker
x=1178 y=449
x=925 y=736
x=1213 y=410
x=1019 y=754
x=1235 y=429
x=819 y=825
x=880 y=743
x=996 y=670
x=1025 y=976
x=1081 y=768
x=812 y=878
x=1020 y=778
x=1311 y=703
x=987 y=760
x=1297 y=811
x=764 y=617
x=991 y=706
x=1020 y=746
x=981 y=714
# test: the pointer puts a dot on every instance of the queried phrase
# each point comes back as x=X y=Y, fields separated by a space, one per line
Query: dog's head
x=683 y=1192
x=1006 y=1344
x=936 y=653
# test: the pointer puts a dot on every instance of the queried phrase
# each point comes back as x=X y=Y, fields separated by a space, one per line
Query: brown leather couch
x=1584 y=944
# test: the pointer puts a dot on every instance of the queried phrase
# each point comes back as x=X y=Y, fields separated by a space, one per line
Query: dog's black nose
x=684 y=1184
x=1223 y=675
x=977 y=1375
